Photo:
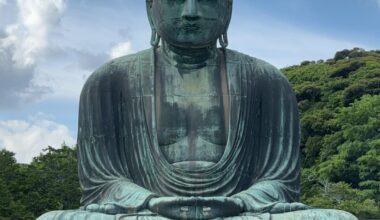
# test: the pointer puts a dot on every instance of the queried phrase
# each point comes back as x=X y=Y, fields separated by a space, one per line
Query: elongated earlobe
x=155 y=38
x=223 y=40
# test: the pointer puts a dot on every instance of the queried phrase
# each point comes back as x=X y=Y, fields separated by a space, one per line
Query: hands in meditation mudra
x=186 y=130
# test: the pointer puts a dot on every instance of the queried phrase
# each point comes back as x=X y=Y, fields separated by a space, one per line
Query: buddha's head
x=189 y=23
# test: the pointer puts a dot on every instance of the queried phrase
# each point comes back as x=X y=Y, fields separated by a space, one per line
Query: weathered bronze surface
x=186 y=130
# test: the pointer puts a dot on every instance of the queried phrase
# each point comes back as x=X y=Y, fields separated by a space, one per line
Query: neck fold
x=189 y=58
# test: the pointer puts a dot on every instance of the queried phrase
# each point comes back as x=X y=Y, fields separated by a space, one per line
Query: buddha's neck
x=189 y=58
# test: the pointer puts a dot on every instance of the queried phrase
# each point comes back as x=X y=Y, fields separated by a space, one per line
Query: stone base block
x=311 y=214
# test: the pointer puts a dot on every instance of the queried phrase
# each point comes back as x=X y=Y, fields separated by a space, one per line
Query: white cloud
x=121 y=49
x=22 y=46
x=29 y=37
x=2 y=3
x=378 y=3
x=27 y=138
x=65 y=70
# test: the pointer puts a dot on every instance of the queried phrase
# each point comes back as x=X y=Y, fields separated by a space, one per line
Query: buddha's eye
x=210 y=1
x=182 y=1
x=175 y=2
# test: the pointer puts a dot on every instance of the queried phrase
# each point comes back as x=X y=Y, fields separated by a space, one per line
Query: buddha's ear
x=223 y=38
x=229 y=13
x=155 y=38
x=149 y=11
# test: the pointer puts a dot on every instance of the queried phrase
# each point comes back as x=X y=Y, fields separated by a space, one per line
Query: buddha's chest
x=191 y=123
x=198 y=116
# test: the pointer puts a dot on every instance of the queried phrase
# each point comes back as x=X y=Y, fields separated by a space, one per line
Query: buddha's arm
x=275 y=187
x=104 y=170
x=270 y=196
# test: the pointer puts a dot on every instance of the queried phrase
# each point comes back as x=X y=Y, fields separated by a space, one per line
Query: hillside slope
x=339 y=101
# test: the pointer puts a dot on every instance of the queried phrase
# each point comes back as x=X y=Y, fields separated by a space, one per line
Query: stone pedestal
x=312 y=214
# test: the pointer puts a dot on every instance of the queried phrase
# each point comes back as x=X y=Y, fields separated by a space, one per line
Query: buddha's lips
x=191 y=27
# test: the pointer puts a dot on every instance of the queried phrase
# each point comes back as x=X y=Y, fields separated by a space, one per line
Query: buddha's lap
x=311 y=214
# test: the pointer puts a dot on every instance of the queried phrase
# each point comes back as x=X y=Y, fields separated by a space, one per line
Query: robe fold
x=120 y=161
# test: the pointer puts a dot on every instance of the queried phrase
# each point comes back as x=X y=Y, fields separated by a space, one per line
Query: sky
x=48 y=48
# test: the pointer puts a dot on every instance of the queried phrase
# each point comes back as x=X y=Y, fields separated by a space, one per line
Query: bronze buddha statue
x=187 y=130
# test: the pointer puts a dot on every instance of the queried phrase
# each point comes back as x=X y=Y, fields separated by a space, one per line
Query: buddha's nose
x=190 y=10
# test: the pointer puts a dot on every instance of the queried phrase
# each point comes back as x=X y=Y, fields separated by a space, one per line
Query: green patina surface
x=186 y=130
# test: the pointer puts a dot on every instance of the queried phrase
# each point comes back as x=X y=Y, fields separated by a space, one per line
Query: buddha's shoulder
x=256 y=67
x=125 y=67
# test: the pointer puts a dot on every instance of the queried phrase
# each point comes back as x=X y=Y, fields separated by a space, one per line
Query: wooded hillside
x=339 y=101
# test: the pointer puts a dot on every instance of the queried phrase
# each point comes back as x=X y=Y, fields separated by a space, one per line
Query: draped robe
x=120 y=161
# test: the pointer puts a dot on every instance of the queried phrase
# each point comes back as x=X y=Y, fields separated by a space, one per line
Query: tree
x=50 y=182
x=340 y=131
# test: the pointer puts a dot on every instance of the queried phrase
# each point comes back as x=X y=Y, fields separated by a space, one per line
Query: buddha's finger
x=281 y=208
x=239 y=203
x=188 y=199
x=298 y=206
x=288 y=207
x=165 y=199
x=110 y=209
x=92 y=208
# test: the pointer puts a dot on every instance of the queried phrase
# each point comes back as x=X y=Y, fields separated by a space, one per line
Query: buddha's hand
x=196 y=207
x=288 y=207
x=110 y=209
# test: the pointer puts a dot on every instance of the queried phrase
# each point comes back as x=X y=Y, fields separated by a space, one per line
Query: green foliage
x=57 y=177
x=346 y=70
x=349 y=54
x=340 y=131
x=50 y=182
x=342 y=196
x=9 y=185
x=360 y=88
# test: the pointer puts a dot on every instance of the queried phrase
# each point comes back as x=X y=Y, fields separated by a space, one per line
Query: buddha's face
x=190 y=23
